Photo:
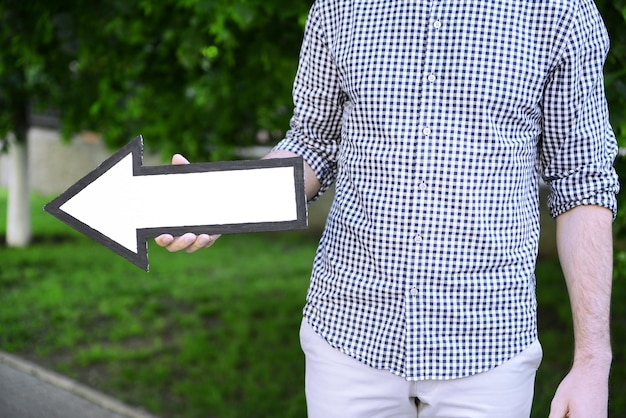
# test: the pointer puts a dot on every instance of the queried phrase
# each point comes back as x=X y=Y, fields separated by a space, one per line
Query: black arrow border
x=135 y=147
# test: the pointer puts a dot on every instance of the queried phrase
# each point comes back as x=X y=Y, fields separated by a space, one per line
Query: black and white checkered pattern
x=435 y=119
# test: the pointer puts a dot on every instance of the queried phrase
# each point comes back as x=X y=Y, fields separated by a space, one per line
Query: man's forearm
x=585 y=246
x=311 y=183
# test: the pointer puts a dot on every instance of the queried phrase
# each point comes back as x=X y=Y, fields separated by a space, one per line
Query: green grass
x=210 y=334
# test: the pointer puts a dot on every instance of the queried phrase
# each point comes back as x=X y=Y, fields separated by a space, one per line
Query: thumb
x=178 y=159
x=558 y=409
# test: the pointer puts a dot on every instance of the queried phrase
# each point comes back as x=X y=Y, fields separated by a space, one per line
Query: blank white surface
x=118 y=203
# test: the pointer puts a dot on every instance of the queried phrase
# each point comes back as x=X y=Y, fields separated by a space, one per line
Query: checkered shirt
x=436 y=120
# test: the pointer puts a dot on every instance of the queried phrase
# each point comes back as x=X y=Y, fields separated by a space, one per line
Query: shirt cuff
x=602 y=194
x=322 y=169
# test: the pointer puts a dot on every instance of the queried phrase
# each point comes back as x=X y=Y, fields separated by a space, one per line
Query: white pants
x=338 y=386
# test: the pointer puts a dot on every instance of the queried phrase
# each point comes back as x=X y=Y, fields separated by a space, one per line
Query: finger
x=178 y=159
x=181 y=243
x=558 y=410
x=202 y=241
x=164 y=240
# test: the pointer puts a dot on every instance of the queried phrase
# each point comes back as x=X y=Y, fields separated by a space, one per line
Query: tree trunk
x=18 y=215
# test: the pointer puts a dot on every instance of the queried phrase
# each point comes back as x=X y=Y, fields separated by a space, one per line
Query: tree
x=196 y=76
x=29 y=73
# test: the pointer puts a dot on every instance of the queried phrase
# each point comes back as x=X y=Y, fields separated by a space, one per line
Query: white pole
x=18 y=214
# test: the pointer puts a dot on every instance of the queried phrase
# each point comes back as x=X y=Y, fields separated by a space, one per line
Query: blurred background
x=213 y=334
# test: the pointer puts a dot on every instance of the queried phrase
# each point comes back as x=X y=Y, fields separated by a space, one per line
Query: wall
x=54 y=165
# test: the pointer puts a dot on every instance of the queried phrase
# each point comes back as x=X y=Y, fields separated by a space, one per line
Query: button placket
x=430 y=70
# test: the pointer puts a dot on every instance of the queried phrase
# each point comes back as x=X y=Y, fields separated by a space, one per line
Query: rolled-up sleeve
x=578 y=145
x=315 y=127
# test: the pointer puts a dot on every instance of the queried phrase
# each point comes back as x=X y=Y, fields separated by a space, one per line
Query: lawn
x=211 y=334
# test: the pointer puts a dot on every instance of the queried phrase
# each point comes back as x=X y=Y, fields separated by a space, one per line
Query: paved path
x=29 y=391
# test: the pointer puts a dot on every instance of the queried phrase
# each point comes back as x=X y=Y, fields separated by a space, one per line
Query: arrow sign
x=121 y=203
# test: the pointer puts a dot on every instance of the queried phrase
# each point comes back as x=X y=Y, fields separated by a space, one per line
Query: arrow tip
x=81 y=213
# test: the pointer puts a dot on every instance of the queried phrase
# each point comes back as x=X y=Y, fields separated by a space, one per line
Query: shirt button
x=432 y=77
x=413 y=291
x=422 y=186
x=436 y=24
x=418 y=238
x=426 y=131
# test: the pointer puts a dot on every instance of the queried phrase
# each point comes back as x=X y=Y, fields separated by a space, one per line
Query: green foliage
x=33 y=62
x=614 y=14
x=194 y=76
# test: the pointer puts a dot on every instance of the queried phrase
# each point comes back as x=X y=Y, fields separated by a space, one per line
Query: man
x=435 y=119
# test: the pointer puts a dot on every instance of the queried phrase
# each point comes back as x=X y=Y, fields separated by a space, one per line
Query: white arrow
x=122 y=203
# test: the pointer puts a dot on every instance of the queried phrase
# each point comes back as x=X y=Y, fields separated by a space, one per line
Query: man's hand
x=188 y=242
x=583 y=393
